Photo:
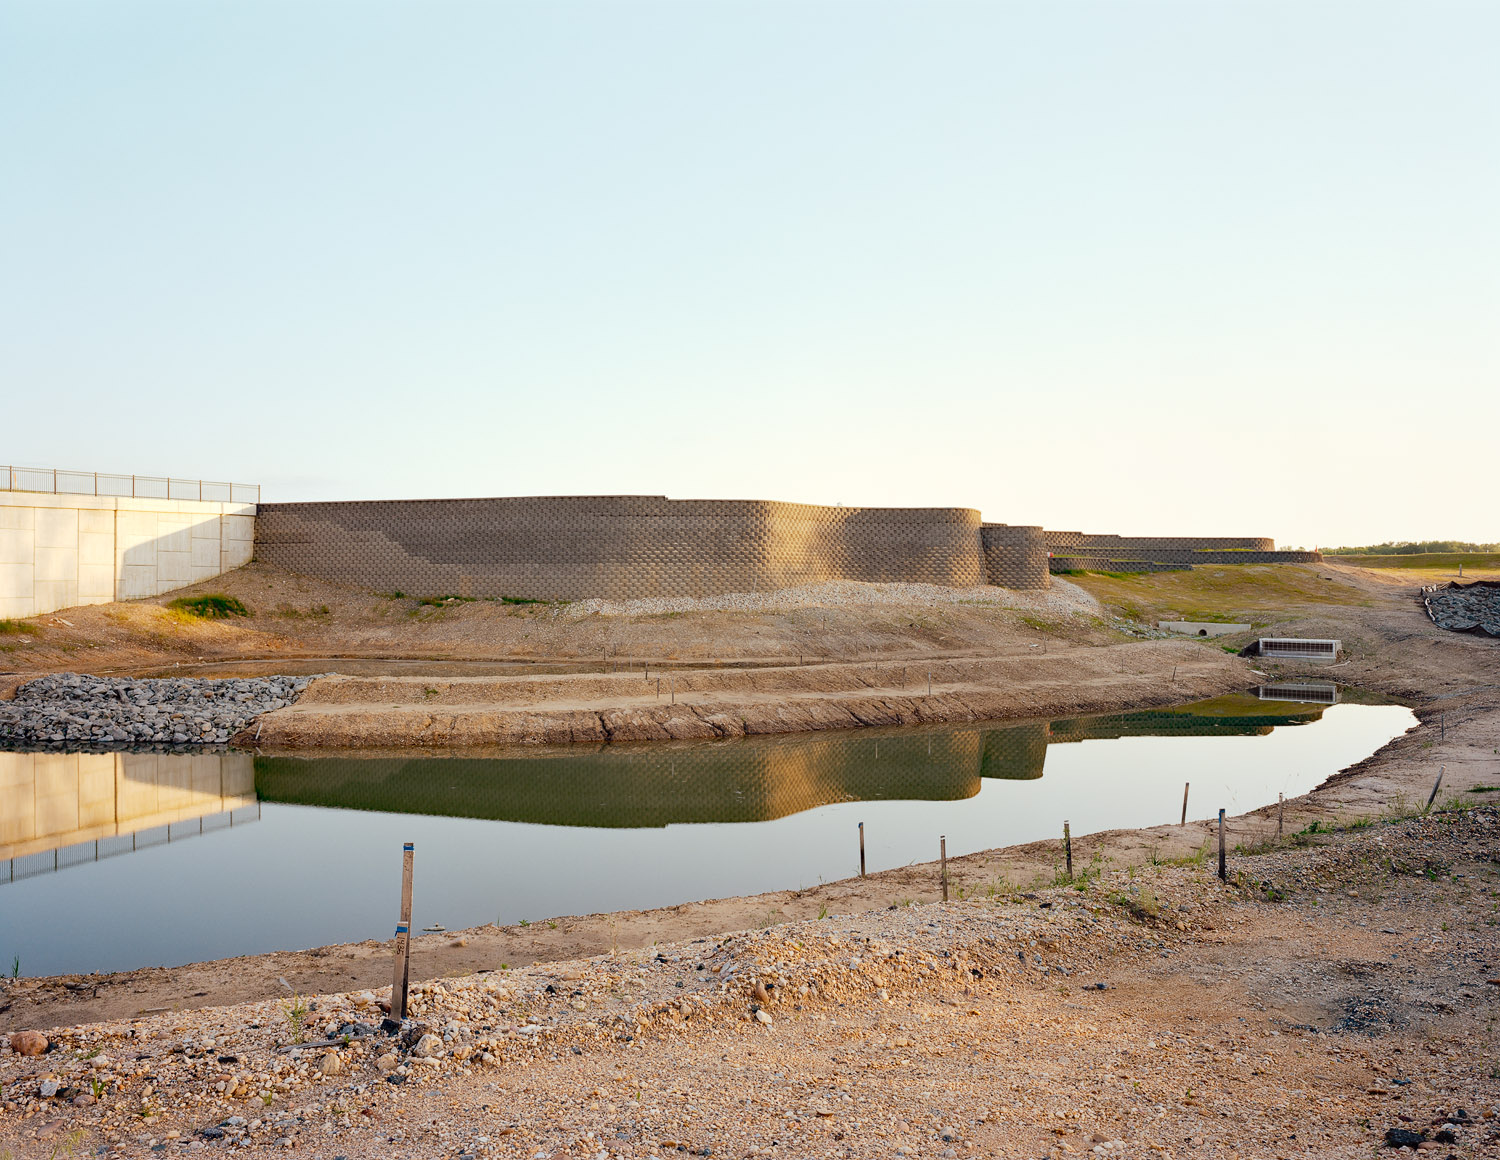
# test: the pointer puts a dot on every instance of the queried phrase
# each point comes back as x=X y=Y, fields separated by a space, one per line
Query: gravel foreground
x=67 y=710
x=1341 y=990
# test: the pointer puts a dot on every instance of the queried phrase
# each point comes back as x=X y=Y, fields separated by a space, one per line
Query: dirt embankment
x=359 y=712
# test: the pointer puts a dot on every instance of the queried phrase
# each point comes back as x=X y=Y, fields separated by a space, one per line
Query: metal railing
x=59 y=482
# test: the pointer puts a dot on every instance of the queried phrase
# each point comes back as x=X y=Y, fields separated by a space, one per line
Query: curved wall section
x=1015 y=556
x=617 y=547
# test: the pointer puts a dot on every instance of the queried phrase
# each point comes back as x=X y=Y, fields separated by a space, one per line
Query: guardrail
x=60 y=482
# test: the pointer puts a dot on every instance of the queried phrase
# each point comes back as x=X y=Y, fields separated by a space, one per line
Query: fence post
x=1223 y=877
x=1185 y=786
x=402 y=977
x=861 y=849
x=1068 y=847
x=943 y=858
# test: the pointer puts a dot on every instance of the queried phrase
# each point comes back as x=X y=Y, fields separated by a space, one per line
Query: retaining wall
x=59 y=551
x=622 y=547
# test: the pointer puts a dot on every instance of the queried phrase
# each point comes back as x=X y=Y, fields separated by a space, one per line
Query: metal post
x=943 y=856
x=1185 y=786
x=402 y=977
x=1432 y=797
x=1223 y=877
x=1068 y=847
x=861 y=849
x=1280 y=813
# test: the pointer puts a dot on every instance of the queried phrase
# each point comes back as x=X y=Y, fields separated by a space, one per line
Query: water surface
x=113 y=861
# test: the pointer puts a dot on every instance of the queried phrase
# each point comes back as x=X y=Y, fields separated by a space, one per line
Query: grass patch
x=1235 y=592
x=439 y=601
x=18 y=628
x=213 y=606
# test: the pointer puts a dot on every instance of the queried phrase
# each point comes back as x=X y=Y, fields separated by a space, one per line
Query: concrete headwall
x=621 y=547
x=58 y=551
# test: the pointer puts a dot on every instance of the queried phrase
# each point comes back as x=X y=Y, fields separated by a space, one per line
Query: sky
x=1151 y=268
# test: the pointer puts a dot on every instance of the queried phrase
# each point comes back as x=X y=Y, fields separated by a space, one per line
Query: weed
x=211 y=606
x=525 y=922
x=68 y=1144
x=97 y=1087
x=551 y=924
x=439 y=601
x=296 y=1015
x=15 y=967
x=823 y=911
x=1142 y=903
x=18 y=628
x=906 y=901
x=394 y=594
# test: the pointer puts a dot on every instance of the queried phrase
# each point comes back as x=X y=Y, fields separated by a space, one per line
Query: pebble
x=28 y=1042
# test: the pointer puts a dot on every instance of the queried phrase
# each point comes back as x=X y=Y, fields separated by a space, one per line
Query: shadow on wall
x=625 y=547
x=61 y=551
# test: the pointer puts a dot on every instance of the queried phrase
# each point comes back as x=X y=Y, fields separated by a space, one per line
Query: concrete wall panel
x=61 y=550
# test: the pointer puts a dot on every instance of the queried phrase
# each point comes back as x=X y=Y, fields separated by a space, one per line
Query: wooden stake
x=861 y=849
x=929 y=682
x=1185 y=786
x=402 y=977
x=1432 y=797
x=1280 y=813
x=1223 y=876
x=943 y=857
x=1068 y=847
x=672 y=681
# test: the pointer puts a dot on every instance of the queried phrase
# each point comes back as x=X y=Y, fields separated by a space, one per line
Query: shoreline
x=1399 y=770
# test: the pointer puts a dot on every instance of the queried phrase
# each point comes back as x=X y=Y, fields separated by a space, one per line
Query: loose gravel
x=72 y=709
x=1331 y=1000
x=1062 y=599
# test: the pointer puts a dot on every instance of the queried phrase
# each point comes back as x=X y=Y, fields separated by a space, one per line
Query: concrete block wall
x=1015 y=556
x=617 y=547
x=60 y=551
x=1123 y=545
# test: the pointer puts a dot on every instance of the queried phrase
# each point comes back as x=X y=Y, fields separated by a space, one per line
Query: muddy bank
x=368 y=713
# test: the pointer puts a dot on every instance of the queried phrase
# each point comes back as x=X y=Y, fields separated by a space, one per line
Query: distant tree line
x=1412 y=548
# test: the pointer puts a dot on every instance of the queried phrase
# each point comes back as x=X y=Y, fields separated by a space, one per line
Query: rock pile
x=68 y=710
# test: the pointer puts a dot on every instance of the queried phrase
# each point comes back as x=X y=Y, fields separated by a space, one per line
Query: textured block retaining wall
x=623 y=547
x=620 y=547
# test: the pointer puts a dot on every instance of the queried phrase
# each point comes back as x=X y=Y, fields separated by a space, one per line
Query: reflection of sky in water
x=306 y=875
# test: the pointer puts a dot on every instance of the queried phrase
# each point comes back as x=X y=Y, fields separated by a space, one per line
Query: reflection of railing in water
x=59 y=810
x=60 y=858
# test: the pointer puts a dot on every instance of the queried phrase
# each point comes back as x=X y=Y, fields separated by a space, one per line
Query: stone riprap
x=69 y=710
x=1465 y=607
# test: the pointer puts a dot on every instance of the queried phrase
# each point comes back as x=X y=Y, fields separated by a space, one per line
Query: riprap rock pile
x=67 y=710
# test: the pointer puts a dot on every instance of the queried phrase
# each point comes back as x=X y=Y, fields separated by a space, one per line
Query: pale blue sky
x=1141 y=267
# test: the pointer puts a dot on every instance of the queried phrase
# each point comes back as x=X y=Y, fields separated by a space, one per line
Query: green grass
x=212 y=606
x=1427 y=562
x=18 y=628
x=1236 y=592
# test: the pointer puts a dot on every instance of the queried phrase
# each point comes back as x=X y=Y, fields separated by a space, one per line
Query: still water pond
x=115 y=861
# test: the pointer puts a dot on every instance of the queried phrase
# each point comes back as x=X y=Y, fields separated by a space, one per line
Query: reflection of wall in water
x=60 y=809
x=628 y=786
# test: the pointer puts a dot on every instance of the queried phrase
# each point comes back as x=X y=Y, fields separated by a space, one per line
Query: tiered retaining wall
x=1109 y=553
